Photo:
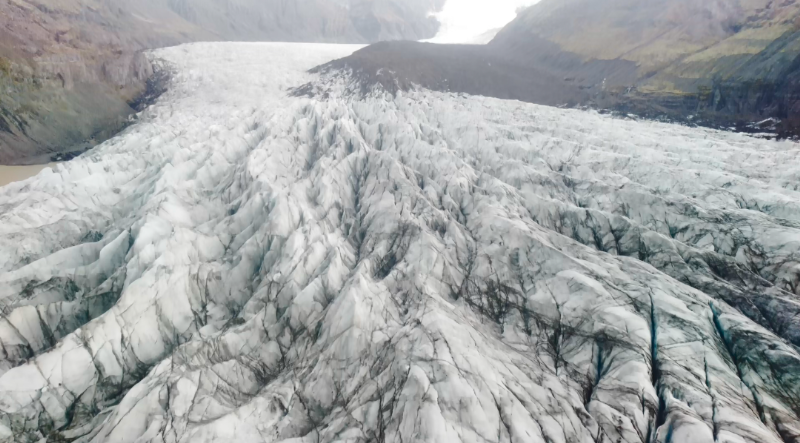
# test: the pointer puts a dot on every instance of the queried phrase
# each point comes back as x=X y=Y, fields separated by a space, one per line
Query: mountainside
x=379 y=265
x=71 y=70
x=734 y=57
x=350 y=21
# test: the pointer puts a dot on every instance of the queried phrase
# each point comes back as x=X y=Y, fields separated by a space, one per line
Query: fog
x=466 y=21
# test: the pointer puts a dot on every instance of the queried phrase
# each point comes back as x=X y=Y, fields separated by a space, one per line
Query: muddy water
x=9 y=174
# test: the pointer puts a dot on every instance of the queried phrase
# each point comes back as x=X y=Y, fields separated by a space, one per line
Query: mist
x=467 y=21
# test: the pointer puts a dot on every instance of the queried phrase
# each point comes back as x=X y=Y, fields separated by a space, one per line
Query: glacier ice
x=246 y=265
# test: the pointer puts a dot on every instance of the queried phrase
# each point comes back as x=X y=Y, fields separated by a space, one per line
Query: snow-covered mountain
x=273 y=255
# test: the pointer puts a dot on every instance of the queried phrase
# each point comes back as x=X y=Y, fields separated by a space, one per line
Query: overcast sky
x=465 y=20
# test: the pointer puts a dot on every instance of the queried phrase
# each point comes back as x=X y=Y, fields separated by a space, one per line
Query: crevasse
x=247 y=265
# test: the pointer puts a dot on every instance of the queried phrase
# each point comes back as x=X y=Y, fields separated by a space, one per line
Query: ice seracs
x=248 y=265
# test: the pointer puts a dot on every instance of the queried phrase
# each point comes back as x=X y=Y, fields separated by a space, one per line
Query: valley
x=274 y=252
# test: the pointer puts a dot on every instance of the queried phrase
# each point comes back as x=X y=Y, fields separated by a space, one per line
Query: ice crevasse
x=246 y=264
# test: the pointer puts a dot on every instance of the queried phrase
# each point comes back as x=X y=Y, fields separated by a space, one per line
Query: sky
x=464 y=21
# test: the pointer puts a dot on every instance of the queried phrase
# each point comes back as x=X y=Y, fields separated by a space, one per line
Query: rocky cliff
x=70 y=70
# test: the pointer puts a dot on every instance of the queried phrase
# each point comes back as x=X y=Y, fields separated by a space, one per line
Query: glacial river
x=9 y=174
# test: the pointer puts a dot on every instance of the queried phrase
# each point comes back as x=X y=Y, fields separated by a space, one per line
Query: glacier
x=250 y=264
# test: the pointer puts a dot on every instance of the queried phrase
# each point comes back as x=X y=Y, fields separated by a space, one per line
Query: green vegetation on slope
x=729 y=57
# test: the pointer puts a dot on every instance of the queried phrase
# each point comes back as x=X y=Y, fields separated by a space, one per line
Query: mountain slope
x=244 y=264
x=736 y=57
x=70 y=70
x=353 y=21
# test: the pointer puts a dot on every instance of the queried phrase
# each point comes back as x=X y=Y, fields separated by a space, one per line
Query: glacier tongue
x=245 y=265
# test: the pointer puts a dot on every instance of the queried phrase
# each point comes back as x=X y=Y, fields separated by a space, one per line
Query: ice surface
x=246 y=265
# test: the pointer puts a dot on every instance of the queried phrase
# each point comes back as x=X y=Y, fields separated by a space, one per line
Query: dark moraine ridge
x=473 y=69
x=536 y=71
x=697 y=63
